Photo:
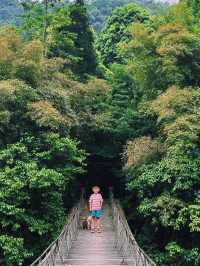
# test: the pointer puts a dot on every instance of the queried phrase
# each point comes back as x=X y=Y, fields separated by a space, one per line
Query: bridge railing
x=125 y=242
x=59 y=249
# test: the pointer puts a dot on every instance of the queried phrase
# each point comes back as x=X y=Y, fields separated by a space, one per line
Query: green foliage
x=35 y=173
x=147 y=109
x=194 y=4
x=166 y=55
x=13 y=249
x=32 y=22
x=124 y=99
x=45 y=115
x=83 y=43
x=161 y=164
x=115 y=30
x=21 y=60
x=39 y=161
x=59 y=39
x=68 y=35
x=14 y=95
x=100 y=10
x=167 y=184
x=89 y=102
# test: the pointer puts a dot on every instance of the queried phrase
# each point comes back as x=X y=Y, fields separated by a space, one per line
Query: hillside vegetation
x=121 y=108
x=9 y=10
x=98 y=10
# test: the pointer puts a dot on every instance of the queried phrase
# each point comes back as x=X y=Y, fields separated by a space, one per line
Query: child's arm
x=90 y=203
x=101 y=200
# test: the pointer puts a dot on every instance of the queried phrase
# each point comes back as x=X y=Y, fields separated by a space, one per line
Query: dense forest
x=98 y=10
x=120 y=108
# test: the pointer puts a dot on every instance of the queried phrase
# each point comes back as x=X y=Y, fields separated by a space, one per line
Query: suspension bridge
x=76 y=246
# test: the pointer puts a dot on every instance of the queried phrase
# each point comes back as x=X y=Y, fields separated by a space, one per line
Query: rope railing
x=59 y=249
x=125 y=242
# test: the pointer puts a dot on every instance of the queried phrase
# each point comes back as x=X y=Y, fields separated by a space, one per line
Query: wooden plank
x=113 y=247
x=94 y=249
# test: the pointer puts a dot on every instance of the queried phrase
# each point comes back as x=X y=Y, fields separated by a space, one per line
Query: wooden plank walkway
x=115 y=246
x=93 y=249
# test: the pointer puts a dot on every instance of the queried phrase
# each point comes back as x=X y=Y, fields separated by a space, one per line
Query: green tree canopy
x=83 y=44
x=115 y=30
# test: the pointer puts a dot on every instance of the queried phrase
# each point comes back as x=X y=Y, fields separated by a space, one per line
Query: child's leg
x=98 y=223
x=99 y=215
x=93 y=222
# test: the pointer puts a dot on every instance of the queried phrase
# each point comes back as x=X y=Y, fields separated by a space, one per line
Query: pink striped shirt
x=95 y=201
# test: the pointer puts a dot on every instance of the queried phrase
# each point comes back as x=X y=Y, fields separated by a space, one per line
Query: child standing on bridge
x=96 y=202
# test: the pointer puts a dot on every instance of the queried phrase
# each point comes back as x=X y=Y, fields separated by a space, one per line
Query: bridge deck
x=95 y=249
x=115 y=246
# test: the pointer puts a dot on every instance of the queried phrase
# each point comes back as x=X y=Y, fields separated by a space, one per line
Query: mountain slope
x=9 y=10
x=98 y=10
